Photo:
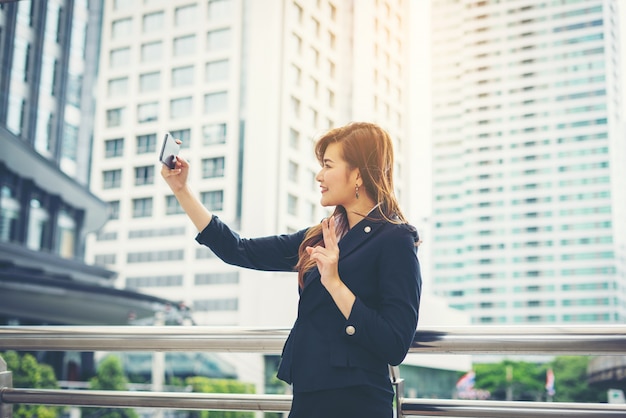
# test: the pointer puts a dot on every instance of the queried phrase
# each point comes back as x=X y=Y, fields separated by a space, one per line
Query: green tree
x=207 y=385
x=526 y=381
x=28 y=373
x=570 y=381
x=109 y=376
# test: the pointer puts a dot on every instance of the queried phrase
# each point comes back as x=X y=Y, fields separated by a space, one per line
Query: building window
x=111 y=179
x=292 y=171
x=146 y=143
x=184 y=135
x=115 y=117
x=114 y=209
x=144 y=175
x=213 y=200
x=218 y=40
x=294 y=138
x=153 y=22
x=38 y=224
x=152 y=51
x=214 y=134
x=148 y=112
x=172 y=207
x=231 y=277
x=295 y=107
x=114 y=147
x=9 y=209
x=217 y=71
x=292 y=204
x=180 y=108
x=231 y=304
x=215 y=102
x=184 y=45
x=185 y=15
x=119 y=57
x=118 y=87
x=149 y=82
x=66 y=233
x=121 y=28
x=182 y=76
x=213 y=167
x=142 y=208
x=220 y=9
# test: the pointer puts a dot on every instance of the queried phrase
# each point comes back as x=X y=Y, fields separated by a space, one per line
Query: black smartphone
x=169 y=151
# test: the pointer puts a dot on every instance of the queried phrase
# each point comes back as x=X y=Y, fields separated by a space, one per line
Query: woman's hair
x=368 y=147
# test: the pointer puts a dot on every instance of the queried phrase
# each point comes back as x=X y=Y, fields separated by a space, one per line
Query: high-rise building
x=247 y=86
x=528 y=161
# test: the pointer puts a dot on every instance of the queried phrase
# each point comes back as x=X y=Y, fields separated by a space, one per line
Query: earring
x=356 y=189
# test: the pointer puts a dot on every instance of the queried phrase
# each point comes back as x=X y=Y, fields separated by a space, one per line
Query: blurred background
x=506 y=117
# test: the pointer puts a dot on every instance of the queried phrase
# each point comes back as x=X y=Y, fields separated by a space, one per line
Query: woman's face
x=337 y=180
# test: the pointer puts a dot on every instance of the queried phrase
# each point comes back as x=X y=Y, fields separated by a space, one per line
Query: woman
x=358 y=274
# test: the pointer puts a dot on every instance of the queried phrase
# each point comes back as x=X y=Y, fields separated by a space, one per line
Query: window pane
x=214 y=134
x=121 y=28
x=115 y=117
x=216 y=102
x=213 y=167
x=146 y=143
x=114 y=147
x=153 y=22
x=220 y=9
x=111 y=179
x=182 y=76
x=218 y=39
x=149 y=82
x=144 y=175
x=118 y=87
x=148 y=112
x=185 y=15
x=119 y=57
x=152 y=51
x=142 y=208
x=217 y=71
x=184 y=45
x=180 y=108
x=213 y=200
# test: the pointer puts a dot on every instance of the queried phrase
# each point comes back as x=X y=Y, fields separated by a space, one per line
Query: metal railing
x=534 y=340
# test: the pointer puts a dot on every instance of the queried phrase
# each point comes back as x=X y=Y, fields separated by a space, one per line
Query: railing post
x=6 y=381
x=398 y=383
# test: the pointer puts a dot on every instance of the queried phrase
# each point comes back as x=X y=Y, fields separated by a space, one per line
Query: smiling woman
x=358 y=273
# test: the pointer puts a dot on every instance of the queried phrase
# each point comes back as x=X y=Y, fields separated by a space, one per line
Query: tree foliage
x=207 y=385
x=525 y=381
x=109 y=376
x=27 y=373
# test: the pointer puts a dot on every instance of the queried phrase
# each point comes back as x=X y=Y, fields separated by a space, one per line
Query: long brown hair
x=369 y=148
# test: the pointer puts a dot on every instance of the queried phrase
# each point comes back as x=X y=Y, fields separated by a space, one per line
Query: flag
x=466 y=381
x=550 y=382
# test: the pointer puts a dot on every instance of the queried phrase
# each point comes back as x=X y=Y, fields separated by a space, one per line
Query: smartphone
x=169 y=151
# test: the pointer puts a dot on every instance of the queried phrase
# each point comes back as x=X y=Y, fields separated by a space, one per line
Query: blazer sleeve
x=271 y=253
x=388 y=329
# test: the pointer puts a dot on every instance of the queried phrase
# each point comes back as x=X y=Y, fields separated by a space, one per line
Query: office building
x=247 y=86
x=528 y=161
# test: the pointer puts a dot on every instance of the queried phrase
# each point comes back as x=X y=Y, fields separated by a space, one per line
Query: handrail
x=582 y=340
x=281 y=403
x=570 y=340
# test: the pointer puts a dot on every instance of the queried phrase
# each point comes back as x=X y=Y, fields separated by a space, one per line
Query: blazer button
x=350 y=330
x=367 y=229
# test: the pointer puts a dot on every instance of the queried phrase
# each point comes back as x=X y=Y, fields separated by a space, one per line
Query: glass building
x=528 y=161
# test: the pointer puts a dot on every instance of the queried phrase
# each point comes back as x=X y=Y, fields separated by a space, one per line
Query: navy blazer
x=324 y=350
